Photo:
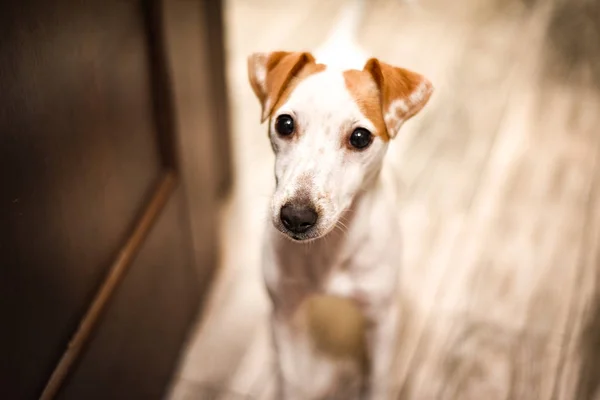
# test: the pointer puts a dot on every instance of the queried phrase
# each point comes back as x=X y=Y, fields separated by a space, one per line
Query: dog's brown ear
x=403 y=93
x=270 y=73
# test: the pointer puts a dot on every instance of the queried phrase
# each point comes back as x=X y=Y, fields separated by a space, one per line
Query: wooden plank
x=501 y=318
x=578 y=373
x=503 y=313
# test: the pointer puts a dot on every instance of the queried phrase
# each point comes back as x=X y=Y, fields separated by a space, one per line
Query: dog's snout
x=298 y=218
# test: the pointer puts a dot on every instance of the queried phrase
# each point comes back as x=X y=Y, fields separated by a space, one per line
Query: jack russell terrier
x=331 y=253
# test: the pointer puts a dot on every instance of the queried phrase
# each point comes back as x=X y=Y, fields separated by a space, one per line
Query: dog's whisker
x=339 y=229
x=340 y=226
x=342 y=230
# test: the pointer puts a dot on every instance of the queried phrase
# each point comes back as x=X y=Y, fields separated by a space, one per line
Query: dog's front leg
x=382 y=335
x=285 y=358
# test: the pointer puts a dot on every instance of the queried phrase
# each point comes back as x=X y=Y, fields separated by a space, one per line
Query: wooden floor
x=501 y=200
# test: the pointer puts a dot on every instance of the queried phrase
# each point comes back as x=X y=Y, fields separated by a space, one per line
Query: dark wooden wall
x=102 y=239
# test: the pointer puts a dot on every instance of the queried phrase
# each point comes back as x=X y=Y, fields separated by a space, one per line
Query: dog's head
x=329 y=130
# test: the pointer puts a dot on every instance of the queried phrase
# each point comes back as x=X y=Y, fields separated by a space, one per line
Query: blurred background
x=136 y=175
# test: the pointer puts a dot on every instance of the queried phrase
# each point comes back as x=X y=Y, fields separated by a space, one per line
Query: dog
x=331 y=250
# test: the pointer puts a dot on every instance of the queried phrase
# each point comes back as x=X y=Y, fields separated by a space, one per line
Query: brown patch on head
x=273 y=76
x=365 y=92
x=402 y=93
x=305 y=72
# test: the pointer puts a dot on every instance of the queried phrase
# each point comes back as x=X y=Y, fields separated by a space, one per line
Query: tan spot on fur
x=336 y=328
x=365 y=92
x=274 y=75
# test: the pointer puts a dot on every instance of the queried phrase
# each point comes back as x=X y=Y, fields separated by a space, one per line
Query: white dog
x=332 y=251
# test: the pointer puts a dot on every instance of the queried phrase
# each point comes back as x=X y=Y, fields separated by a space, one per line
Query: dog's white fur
x=354 y=250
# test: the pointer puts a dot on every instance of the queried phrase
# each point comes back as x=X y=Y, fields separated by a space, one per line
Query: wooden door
x=107 y=221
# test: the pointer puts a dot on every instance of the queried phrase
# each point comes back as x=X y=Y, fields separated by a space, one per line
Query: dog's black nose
x=298 y=218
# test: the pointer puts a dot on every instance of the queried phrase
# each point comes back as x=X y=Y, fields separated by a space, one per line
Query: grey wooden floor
x=501 y=200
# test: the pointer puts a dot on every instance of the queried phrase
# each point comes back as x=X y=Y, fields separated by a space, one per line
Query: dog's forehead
x=338 y=97
x=324 y=93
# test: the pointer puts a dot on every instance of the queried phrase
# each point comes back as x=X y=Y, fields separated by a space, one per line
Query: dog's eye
x=361 y=138
x=284 y=125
